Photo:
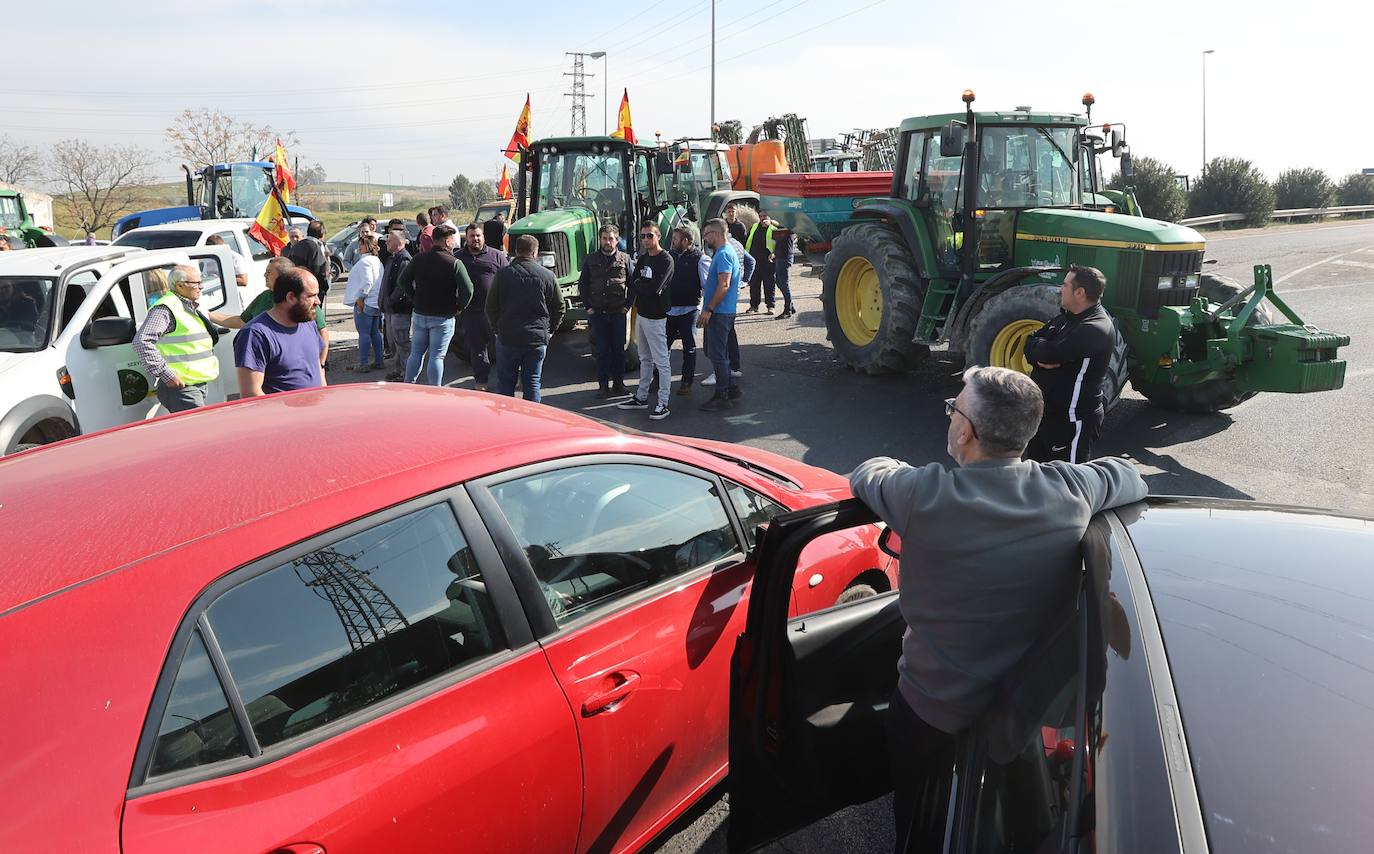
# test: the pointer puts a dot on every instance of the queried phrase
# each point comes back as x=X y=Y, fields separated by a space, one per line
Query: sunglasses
x=647 y=236
x=950 y=409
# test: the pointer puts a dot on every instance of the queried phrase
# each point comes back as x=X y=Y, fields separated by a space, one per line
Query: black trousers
x=476 y=332
x=761 y=280
x=1061 y=439
x=922 y=761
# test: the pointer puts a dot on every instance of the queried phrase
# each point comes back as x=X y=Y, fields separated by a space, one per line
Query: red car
x=401 y=618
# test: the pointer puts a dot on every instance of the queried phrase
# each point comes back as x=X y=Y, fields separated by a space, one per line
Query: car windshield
x=574 y=178
x=1027 y=167
x=25 y=308
x=9 y=212
x=158 y=239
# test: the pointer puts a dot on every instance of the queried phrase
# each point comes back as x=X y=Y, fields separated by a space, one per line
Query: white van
x=67 y=322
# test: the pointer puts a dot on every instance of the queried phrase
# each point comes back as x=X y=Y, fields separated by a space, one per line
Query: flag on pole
x=285 y=181
x=503 y=186
x=685 y=157
x=624 y=129
x=521 y=137
x=271 y=224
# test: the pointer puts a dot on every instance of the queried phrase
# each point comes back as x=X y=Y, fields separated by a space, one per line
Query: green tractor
x=987 y=211
x=17 y=225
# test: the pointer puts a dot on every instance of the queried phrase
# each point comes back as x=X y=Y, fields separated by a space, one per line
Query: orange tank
x=749 y=162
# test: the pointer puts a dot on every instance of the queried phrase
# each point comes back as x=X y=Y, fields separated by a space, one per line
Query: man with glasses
x=719 y=303
x=176 y=342
x=650 y=295
x=989 y=551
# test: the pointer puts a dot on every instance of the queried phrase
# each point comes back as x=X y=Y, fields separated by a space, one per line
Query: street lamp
x=1204 y=107
x=605 y=65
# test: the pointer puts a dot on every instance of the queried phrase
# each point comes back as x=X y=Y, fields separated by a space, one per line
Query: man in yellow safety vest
x=176 y=342
x=759 y=243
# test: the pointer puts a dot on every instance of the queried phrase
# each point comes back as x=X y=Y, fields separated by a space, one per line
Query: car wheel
x=854 y=593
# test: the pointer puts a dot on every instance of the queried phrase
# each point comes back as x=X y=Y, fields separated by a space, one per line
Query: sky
x=415 y=97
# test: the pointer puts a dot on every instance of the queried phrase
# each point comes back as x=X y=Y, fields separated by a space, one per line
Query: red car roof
x=173 y=480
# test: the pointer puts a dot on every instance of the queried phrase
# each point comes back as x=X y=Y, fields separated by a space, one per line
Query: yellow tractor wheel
x=998 y=332
x=1008 y=345
x=859 y=301
x=871 y=297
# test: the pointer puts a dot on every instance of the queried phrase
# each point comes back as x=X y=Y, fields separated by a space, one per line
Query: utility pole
x=1204 y=109
x=712 y=125
x=578 y=94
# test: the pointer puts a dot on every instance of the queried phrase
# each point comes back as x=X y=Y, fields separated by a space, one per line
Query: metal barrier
x=1216 y=219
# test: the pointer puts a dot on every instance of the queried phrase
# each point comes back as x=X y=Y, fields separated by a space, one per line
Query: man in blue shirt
x=720 y=298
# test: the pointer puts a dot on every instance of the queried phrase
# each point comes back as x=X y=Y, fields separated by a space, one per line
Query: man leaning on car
x=989 y=550
x=176 y=343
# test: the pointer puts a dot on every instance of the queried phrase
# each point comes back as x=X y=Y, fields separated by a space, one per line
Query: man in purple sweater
x=279 y=350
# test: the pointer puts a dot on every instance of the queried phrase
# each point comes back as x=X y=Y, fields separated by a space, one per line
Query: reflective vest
x=767 y=238
x=187 y=347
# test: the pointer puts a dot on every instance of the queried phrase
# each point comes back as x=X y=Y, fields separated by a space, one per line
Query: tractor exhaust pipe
x=190 y=186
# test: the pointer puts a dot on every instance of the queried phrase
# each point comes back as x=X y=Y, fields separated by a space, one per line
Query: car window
x=752 y=508
x=257 y=249
x=158 y=239
x=212 y=292
x=197 y=728
x=348 y=625
x=596 y=534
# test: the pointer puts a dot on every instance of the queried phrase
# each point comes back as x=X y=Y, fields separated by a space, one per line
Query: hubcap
x=859 y=301
x=1008 y=347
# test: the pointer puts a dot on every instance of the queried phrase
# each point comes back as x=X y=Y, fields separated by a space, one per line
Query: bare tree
x=203 y=137
x=17 y=162
x=100 y=183
x=309 y=184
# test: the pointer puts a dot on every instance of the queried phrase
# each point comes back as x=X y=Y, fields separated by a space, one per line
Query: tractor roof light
x=1088 y=99
x=968 y=96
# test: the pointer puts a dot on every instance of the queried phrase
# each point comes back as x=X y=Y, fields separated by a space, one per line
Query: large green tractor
x=571 y=186
x=18 y=227
x=987 y=211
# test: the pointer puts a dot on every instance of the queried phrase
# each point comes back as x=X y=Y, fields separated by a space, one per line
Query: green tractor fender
x=906 y=221
x=957 y=329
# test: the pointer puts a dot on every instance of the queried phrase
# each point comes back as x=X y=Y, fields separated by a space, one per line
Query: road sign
x=387 y=200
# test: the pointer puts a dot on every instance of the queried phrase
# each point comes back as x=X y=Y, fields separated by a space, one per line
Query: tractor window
x=10 y=216
x=911 y=173
x=1027 y=167
x=941 y=184
x=582 y=178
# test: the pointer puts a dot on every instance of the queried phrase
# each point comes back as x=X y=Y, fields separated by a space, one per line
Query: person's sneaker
x=717 y=404
x=735 y=393
x=737 y=373
x=684 y=389
x=660 y=412
x=633 y=403
x=710 y=380
x=768 y=310
x=395 y=377
x=752 y=310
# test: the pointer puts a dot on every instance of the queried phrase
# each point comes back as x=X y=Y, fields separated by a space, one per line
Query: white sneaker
x=737 y=373
x=710 y=379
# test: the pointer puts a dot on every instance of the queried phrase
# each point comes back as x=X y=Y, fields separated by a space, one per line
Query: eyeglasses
x=950 y=409
x=191 y=282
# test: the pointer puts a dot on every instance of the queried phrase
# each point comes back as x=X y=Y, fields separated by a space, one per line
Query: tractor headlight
x=1191 y=281
x=1166 y=282
x=546 y=258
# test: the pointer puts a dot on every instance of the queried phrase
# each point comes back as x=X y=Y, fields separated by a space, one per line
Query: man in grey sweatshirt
x=989 y=552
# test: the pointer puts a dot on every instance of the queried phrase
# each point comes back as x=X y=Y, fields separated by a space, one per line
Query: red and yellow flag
x=270 y=227
x=286 y=182
x=521 y=137
x=684 y=158
x=624 y=129
x=503 y=186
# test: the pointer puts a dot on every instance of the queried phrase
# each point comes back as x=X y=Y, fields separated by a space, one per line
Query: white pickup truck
x=67 y=322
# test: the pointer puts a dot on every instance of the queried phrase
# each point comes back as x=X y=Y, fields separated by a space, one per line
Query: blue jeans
x=781 y=272
x=429 y=340
x=608 y=338
x=369 y=328
x=683 y=327
x=719 y=328
x=527 y=362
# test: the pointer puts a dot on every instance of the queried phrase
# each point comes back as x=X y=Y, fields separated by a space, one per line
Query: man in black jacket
x=602 y=289
x=686 y=293
x=482 y=263
x=309 y=253
x=649 y=294
x=438 y=288
x=395 y=306
x=1069 y=357
x=524 y=308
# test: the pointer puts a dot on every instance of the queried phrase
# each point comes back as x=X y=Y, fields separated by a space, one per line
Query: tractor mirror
x=1127 y=167
x=952 y=140
x=1118 y=140
x=663 y=162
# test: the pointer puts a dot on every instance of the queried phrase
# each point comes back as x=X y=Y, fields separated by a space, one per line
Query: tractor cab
x=701 y=180
x=221 y=191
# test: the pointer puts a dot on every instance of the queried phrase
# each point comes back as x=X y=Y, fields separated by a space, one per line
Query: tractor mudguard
x=902 y=217
x=956 y=330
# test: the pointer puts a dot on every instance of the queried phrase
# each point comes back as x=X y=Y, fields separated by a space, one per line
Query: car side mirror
x=1118 y=140
x=952 y=140
x=1127 y=167
x=107 y=332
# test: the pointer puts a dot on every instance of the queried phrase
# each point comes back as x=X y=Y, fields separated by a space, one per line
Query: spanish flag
x=503 y=186
x=684 y=158
x=286 y=182
x=624 y=129
x=521 y=137
x=271 y=224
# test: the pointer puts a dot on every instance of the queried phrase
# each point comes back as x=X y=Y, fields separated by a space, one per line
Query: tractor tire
x=1213 y=395
x=871 y=297
x=997 y=335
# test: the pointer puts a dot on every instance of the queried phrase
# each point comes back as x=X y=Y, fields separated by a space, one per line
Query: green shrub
x=1304 y=188
x=1232 y=185
x=1155 y=189
x=1356 y=189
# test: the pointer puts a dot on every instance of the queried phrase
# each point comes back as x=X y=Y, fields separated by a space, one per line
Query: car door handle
x=604 y=700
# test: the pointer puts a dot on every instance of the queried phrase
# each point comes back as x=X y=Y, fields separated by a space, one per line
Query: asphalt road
x=1295 y=449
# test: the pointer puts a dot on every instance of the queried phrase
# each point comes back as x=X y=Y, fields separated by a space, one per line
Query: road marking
x=1288 y=276
x=1288 y=291
x=1365 y=264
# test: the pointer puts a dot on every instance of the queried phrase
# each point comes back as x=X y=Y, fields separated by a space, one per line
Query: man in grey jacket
x=989 y=553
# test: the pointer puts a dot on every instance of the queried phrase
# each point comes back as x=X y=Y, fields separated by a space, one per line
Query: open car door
x=809 y=697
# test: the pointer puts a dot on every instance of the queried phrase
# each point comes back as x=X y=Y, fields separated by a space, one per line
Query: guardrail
x=1216 y=219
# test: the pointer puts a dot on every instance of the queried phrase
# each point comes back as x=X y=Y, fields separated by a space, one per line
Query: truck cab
x=67 y=322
